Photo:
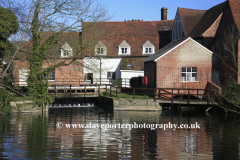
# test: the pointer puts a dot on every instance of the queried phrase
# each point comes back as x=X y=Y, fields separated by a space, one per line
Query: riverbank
x=26 y=106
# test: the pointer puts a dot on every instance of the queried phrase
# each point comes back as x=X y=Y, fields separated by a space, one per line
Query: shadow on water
x=36 y=136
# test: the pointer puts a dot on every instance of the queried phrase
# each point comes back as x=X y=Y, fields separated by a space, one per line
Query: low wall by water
x=128 y=104
x=26 y=106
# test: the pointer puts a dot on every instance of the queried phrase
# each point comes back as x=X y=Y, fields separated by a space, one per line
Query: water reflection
x=36 y=136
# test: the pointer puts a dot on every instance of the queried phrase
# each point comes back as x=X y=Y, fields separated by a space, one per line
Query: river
x=60 y=134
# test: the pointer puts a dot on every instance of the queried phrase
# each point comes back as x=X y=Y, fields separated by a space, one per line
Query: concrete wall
x=129 y=104
x=189 y=54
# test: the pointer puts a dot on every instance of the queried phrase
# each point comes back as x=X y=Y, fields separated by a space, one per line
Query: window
x=50 y=76
x=66 y=51
x=148 y=48
x=129 y=66
x=189 y=74
x=229 y=82
x=100 y=48
x=100 y=51
x=124 y=51
x=110 y=75
x=225 y=50
x=124 y=48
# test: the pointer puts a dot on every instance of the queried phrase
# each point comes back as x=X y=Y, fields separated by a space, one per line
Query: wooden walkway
x=161 y=95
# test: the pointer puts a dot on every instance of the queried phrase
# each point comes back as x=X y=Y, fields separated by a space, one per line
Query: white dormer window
x=124 y=48
x=100 y=48
x=148 y=48
x=66 y=51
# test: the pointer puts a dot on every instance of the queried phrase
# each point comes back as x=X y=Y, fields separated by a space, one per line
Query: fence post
x=172 y=97
x=116 y=91
x=154 y=94
x=85 y=90
x=98 y=90
x=125 y=82
x=133 y=92
x=106 y=88
x=110 y=90
x=70 y=90
x=188 y=97
x=197 y=93
x=55 y=90
x=159 y=93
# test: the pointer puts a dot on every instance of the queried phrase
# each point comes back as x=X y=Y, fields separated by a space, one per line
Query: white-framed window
x=129 y=66
x=124 y=48
x=148 y=48
x=189 y=74
x=229 y=82
x=225 y=50
x=66 y=51
x=50 y=76
x=111 y=75
x=100 y=49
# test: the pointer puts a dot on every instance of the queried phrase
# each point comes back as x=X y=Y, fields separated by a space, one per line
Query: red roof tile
x=235 y=8
x=190 y=18
x=134 y=33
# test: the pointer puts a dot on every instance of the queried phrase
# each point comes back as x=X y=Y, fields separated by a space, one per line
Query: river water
x=48 y=136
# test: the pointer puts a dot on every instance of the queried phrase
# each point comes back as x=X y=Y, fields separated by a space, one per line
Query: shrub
x=231 y=98
x=136 y=81
x=118 y=82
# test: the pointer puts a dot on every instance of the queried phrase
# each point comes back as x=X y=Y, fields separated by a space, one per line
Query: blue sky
x=149 y=10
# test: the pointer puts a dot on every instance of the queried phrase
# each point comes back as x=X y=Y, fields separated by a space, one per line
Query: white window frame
x=103 y=49
x=112 y=75
x=148 y=45
x=63 y=53
x=188 y=74
x=48 y=76
x=124 y=48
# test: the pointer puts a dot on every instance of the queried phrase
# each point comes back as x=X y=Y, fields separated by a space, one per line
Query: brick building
x=65 y=47
x=181 y=64
x=129 y=41
x=226 y=45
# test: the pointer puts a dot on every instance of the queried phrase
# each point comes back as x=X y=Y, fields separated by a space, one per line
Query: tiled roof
x=207 y=20
x=235 y=8
x=164 y=50
x=134 y=33
x=70 y=38
x=190 y=18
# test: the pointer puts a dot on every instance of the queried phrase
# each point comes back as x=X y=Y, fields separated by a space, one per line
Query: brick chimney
x=164 y=13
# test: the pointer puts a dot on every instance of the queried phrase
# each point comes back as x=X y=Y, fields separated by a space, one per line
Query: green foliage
x=8 y=26
x=118 y=82
x=231 y=98
x=136 y=81
x=5 y=96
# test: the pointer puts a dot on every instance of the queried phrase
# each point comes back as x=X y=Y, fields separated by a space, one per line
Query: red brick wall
x=226 y=65
x=189 y=54
x=63 y=75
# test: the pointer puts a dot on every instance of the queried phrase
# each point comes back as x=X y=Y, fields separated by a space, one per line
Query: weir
x=73 y=102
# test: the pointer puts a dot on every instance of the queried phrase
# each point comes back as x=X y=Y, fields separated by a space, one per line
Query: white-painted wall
x=126 y=75
x=92 y=65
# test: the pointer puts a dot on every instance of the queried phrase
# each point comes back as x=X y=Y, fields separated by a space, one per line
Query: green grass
x=124 y=95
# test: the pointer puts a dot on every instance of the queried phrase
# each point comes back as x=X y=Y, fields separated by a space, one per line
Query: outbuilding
x=183 y=63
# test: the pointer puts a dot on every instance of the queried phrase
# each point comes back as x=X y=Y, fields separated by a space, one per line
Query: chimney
x=164 y=13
